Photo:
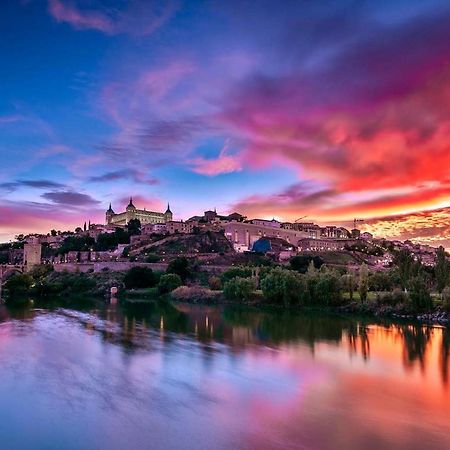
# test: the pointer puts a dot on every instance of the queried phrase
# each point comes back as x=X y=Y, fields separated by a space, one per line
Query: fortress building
x=142 y=215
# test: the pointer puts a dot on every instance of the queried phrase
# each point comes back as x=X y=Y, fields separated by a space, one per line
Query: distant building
x=142 y=215
x=323 y=244
x=275 y=246
x=243 y=234
x=266 y=223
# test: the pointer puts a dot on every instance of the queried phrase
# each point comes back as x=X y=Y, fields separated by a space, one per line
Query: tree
x=283 y=286
x=180 y=267
x=363 y=284
x=419 y=294
x=327 y=288
x=134 y=227
x=169 y=282
x=239 y=289
x=301 y=263
x=442 y=269
x=18 y=284
x=53 y=232
x=407 y=267
x=446 y=298
x=348 y=281
x=139 y=277
x=237 y=271
x=380 y=281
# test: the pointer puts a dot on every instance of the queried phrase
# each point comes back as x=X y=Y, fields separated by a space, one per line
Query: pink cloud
x=69 y=13
x=224 y=163
x=138 y=18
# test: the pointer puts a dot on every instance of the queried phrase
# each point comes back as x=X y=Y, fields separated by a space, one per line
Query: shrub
x=168 y=282
x=238 y=288
x=152 y=258
x=214 y=283
x=139 y=277
x=193 y=294
x=283 y=287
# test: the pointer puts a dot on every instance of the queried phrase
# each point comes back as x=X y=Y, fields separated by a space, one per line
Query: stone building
x=142 y=215
x=243 y=234
x=32 y=253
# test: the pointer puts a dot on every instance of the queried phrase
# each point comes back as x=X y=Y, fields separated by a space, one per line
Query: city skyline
x=331 y=111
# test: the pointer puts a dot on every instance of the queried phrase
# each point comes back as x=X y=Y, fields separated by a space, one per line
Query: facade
x=243 y=234
x=266 y=223
x=131 y=212
x=324 y=244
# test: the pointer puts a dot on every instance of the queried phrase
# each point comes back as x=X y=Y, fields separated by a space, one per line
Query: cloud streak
x=138 y=18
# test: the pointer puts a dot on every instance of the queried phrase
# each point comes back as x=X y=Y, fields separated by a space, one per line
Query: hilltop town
x=143 y=236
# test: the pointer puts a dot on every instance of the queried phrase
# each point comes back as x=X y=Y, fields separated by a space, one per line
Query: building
x=32 y=252
x=323 y=244
x=243 y=234
x=266 y=223
x=176 y=226
x=275 y=246
x=131 y=213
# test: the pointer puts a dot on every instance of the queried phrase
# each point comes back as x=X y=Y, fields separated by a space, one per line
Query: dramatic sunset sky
x=326 y=109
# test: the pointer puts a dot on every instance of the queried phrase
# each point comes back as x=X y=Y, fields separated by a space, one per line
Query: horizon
x=332 y=111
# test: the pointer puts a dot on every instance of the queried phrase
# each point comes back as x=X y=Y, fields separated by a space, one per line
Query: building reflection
x=242 y=330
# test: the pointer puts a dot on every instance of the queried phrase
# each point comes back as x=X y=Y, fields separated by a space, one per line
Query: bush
x=284 y=287
x=396 y=297
x=240 y=289
x=193 y=294
x=139 y=277
x=233 y=272
x=169 y=282
x=214 y=283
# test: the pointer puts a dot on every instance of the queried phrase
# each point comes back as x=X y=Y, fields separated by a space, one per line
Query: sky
x=332 y=110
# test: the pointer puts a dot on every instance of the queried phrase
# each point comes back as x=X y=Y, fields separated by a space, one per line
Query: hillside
x=209 y=242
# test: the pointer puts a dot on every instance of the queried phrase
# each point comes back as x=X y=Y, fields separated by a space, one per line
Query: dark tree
x=442 y=269
x=139 y=277
x=134 y=227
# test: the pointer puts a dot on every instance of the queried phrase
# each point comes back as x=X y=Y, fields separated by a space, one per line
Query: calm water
x=190 y=377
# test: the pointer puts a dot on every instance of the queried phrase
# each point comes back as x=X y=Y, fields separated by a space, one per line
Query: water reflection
x=236 y=377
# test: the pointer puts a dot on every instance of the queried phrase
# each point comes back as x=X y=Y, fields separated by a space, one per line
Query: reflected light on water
x=184 y=376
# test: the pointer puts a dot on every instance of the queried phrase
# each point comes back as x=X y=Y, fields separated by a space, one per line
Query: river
x=177 y=376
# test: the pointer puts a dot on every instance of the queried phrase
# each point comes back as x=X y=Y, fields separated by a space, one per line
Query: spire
x=168 y=211
x=110 y=209
x=130 y=205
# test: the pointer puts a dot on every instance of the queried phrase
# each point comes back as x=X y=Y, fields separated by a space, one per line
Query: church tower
x=109 y=215
x=130 y=211
x=168 y=216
